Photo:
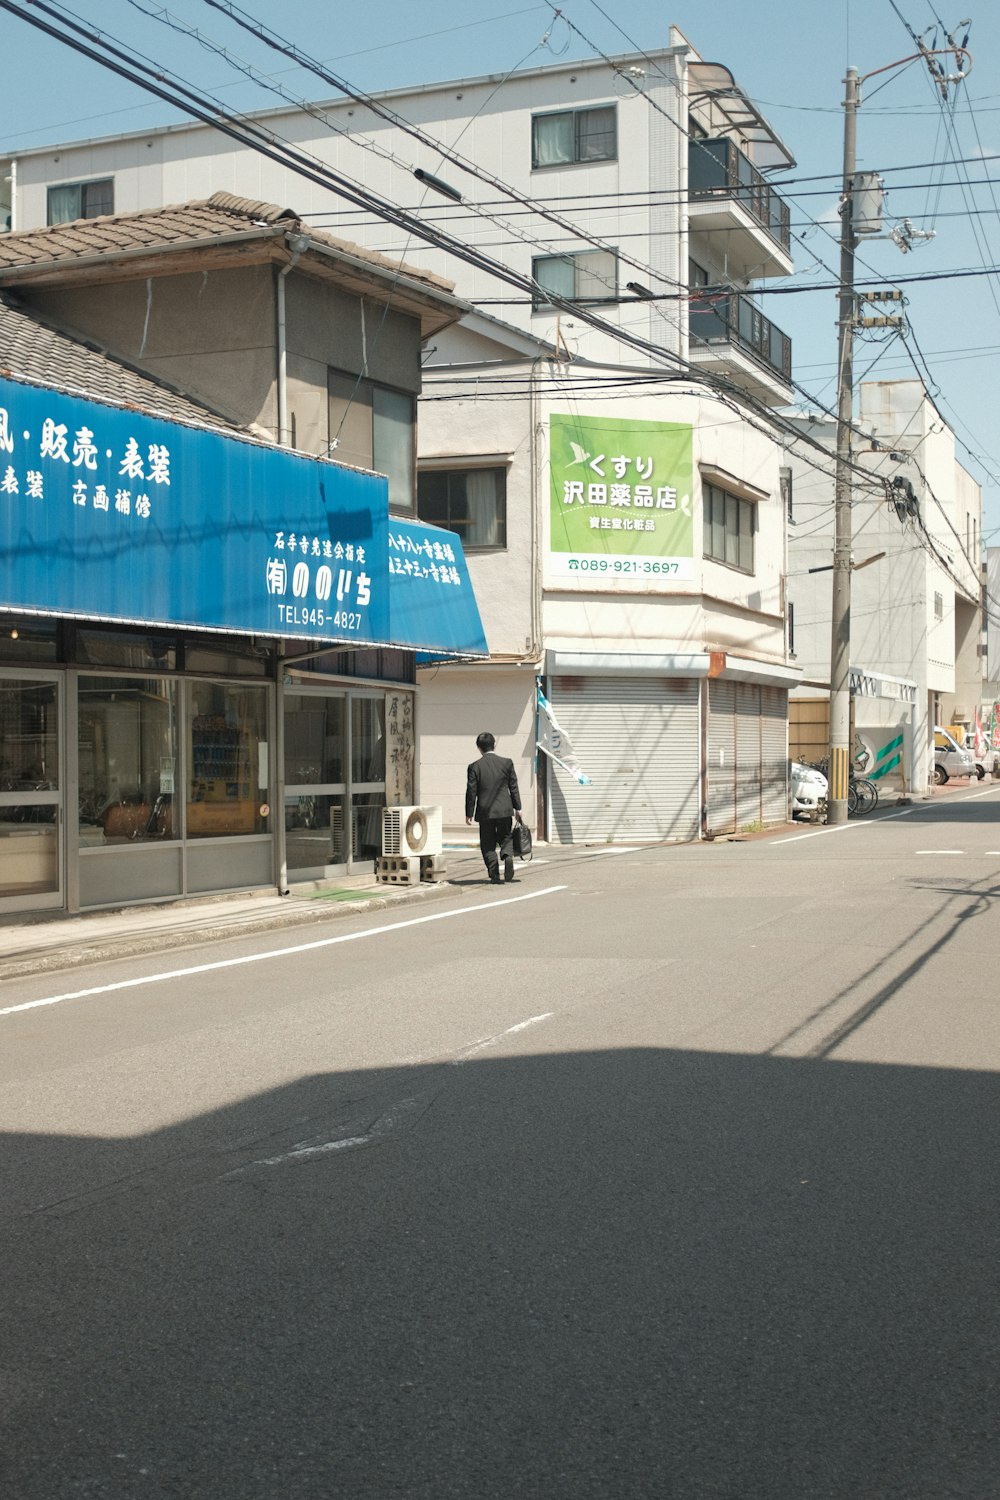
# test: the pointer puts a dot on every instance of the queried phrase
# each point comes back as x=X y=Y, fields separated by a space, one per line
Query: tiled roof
x=30 y=350
x=208 y=219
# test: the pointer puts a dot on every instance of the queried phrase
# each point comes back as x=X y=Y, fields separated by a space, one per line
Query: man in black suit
x=493 y=801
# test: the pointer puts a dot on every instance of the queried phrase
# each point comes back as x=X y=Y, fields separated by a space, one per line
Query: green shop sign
x=621 y=500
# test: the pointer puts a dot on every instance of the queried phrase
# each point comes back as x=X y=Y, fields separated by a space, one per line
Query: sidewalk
x=36 y=943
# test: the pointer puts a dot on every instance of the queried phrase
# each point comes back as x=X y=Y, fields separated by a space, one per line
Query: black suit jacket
x=491 y=790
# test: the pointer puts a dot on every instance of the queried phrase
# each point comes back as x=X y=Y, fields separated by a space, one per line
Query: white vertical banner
x=554 y=742
x=400 y=748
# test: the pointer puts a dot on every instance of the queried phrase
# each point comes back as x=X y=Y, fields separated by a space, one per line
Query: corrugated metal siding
x=747 y=756
x=774 y=753
x=638 y=740
x=721 y=757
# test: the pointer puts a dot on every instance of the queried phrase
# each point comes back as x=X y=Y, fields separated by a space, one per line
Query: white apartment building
x=916 y=610
x=617 y=487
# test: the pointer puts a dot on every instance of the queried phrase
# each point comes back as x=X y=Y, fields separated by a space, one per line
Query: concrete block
x=398 y=869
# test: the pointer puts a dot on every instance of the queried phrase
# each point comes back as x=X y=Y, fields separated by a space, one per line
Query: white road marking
x=389 y=1120
x=617 y=851
x=491 y=1041
x=839 y=827
x=256 y=958
x=940 y=851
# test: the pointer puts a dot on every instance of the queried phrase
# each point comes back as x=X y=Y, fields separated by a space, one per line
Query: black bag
x=522 y=840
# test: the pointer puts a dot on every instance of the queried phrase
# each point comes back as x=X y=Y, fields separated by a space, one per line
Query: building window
x=939 y=606
x=729 y=528
x=127 y=759
x=785 y=481
x=471 y=502
x=588 y=276
x=81 y=200
x=574 y=135
x=228 y=759
x=374 y=427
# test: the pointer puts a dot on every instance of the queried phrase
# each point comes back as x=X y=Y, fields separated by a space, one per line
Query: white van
x=949 y=757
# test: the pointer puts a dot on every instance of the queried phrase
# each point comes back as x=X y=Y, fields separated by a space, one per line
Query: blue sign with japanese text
x=431 y=600
x=110 y=514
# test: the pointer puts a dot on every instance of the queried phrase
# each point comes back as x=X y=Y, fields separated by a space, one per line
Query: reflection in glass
x=314 y=739
x=118 y=648
x=228 y=759
x=314 y=832
x=367 y=740
x=366 y=824
x=127 y=747
x=27 y=639
x=29 y=850
x=28 y=736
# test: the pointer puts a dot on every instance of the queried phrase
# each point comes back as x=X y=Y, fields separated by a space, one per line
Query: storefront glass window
x=367 y=741
x=228 y=760
x=315 y=727
x=232 y=662
x=27 y=640
x=314 y=831
x=127 y=759
x=115 y=648
x=315 y=773
x=368 y=775
x=29 y=782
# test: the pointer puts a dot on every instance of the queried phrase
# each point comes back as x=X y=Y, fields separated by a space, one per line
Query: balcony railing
x=731 y=318
x=718 y=169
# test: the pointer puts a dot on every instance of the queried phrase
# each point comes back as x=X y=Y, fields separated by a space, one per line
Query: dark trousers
x=494 y=831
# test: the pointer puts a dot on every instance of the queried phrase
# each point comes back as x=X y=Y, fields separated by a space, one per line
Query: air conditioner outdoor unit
x=411 y=830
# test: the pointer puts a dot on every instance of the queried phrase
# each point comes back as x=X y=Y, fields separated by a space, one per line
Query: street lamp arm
x=924 y=53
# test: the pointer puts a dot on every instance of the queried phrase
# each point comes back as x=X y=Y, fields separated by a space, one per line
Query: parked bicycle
x=862 y=792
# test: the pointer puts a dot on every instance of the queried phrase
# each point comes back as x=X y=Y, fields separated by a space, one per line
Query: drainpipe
x=298 y=244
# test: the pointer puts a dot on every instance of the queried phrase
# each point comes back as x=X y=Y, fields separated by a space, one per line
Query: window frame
x=82 y=189
x=576 y=114
x=574 y=257
x=362 y=394
x=448 y=471
x=734 y=519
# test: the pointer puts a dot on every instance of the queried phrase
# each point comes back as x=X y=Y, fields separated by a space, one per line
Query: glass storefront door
x=315 y=784
x=31 y=839
x=334 y=781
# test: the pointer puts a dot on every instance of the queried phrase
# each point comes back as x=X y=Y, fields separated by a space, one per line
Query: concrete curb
x=77 y=952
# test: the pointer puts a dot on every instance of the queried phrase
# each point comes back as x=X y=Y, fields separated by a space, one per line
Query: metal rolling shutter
x=747 y=756
x=638 y=740
x=721 y=757
x=748 y=799
x=774 y=753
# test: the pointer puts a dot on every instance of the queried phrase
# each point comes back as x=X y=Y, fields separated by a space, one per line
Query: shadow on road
x=634 y=1273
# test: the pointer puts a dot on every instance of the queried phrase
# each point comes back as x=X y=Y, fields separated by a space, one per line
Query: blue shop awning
x=432 y=606
x=108 y=513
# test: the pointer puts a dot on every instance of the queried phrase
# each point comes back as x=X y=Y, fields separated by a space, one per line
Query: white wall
x=454 y=704
x=489 y=126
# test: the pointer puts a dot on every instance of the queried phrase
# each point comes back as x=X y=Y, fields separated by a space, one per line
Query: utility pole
x=840 y=635
x=840 y=623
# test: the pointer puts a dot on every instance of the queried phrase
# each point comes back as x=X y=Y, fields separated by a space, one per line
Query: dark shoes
x=494 y=874
x=508 y=869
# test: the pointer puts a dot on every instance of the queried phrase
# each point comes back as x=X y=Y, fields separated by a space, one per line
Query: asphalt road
x=666 y=1173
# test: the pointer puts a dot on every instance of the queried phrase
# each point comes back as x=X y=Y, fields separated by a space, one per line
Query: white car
x=950 y=758
x=809 y=790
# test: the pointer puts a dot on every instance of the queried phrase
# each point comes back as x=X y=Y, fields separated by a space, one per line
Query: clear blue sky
x=789 y=55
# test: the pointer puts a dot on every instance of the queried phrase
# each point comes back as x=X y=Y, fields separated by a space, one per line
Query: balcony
x=729 y=200
x=731 y=337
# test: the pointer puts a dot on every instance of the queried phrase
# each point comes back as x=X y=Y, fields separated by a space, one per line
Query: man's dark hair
x=485 y=741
